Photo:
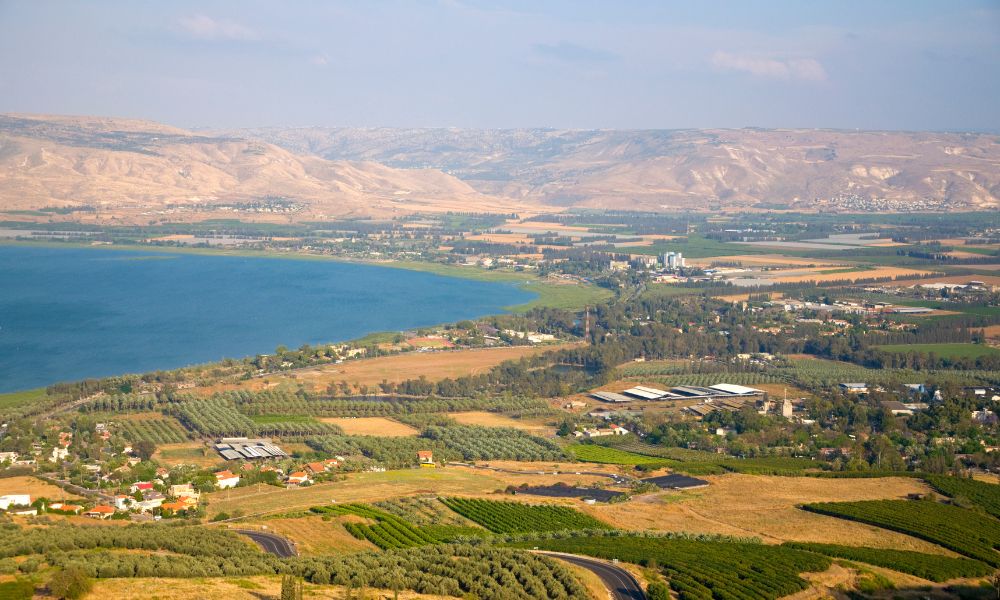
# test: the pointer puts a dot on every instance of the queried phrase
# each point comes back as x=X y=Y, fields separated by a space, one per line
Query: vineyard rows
x=214 y=417
x=494 y=443
x=388 y=532
x=157 y=431
x=961 y=530
x=704 y=570
x=933 y=567
x=986 y=495
x=514 y=517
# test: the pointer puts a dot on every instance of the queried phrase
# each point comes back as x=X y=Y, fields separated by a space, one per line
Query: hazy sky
x=903 y=64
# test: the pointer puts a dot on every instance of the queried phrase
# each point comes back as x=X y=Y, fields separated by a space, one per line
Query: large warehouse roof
x=730 y=388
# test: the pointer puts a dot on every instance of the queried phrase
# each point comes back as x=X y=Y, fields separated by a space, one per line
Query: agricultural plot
x=927 y=566
x=697 y=569
x=970 y=351
x=488 y=443
x=371 y=426
x=566 y=491
x=980 y=493
x=958 y=529
x=389 y=531
x=698 y=462
x=825 y=374
x=214 y=417
x=422 y=511
x=514 y=517
x=158 y=431
x=612 y=456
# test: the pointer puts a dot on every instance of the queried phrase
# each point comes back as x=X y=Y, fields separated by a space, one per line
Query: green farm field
x=972 y=351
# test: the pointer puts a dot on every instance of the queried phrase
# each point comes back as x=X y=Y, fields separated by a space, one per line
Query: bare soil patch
x=371 y=426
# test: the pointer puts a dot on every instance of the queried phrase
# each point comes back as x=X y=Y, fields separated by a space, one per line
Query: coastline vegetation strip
x=550 y=294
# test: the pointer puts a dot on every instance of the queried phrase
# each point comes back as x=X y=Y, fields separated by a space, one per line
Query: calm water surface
x=68 y=314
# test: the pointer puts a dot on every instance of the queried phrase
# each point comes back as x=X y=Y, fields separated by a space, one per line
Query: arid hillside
x=658 y=170
x=135 y=171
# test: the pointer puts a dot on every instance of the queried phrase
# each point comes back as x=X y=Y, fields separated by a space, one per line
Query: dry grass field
x=821 y=276
x=36 y=488
x=411 y=365
x=765 y=506
x=357 y=487
x=488 y=419
x=371 y=426
x=246 y=588
x=313 y=536
x=187 y=453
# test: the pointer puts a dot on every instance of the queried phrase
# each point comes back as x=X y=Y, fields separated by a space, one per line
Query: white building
x=14 y=500
x=226 y=479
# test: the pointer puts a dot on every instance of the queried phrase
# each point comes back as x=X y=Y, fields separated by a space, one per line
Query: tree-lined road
x=621 y=583
x=269 y=542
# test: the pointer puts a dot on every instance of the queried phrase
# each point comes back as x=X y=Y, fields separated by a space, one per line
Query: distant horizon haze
x=888 y=66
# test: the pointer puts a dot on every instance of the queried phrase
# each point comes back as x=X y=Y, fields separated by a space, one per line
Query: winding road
x=622 y=584
x=269 y=542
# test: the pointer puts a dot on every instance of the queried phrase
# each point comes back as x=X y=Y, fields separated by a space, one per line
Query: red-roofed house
x=226 y=479
x=100 y=511
x=316 y=467
x=426 y=458
x=299 y=478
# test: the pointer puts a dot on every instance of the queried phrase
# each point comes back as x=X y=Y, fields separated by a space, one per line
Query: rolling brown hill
x=805 y=169
x=136 y=171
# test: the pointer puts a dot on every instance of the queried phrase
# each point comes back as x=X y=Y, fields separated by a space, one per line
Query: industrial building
x=718 y=393
x=248 y=449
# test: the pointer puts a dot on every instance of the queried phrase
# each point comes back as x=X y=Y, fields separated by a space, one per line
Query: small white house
x=14 y=500
x=226 y=479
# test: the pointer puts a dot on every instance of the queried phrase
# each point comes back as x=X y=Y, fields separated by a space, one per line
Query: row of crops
x=984 y=495
x=514 y=517
x=494 y=443
x=704 y=570
x=961 y=530
x=933 y=567
x=699 y=462
x=388 y=532
x=214 y=417
x=614 y=456
x=284 y=402
x=817 y=373
x=421 y=511
x=705 y=380
x=157 y=431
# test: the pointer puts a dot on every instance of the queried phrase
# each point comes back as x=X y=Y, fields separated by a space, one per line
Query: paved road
x=621 y=583
x=269 y=542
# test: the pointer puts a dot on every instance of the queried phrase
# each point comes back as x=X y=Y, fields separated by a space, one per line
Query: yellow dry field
x=313 y=536
x=517 y=473
x=371 y=426
x=820 y=276
x=764 y=506
x=357 y=487
x=765 y=260
x=372 y=487
x=488 y=419
x=372 y=371
x=746 y=296
x=992 y=332
x=36 y=488
x=501 y=238
x=231 y=588
x=187 y=453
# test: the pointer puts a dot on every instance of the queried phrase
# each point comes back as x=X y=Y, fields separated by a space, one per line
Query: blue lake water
x=69 y=314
